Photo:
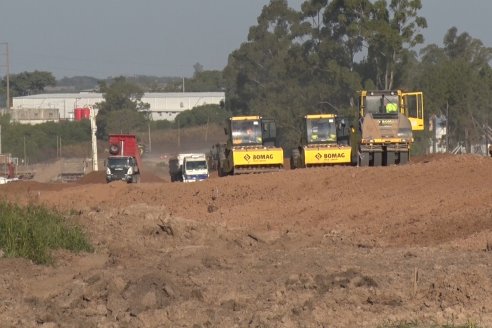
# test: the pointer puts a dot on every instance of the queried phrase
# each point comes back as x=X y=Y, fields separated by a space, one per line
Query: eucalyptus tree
x=457 y=81
x=390 y=32
x=258 y=76
x=28 y=83
x=122 y=110
x=335 y=38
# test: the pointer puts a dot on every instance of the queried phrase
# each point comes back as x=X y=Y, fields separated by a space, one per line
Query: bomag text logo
x=262 y=157
x=334 y=155
x=386 y=122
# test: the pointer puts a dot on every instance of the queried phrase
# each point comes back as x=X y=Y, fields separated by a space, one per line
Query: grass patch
x=33 y=231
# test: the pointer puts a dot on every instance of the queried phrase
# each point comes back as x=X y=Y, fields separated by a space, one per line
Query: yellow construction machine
x=387 y=120
x=251 y=147
x=325 y=141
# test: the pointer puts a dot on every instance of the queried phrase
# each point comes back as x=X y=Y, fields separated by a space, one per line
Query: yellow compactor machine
x=325 y=141
x=387 y=120
x=251 y=147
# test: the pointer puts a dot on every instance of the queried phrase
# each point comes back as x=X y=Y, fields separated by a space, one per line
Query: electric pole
x=7 y=66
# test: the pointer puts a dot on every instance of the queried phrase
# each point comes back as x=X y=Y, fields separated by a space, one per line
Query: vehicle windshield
x=196 y=165
x=246 y=132
x=117 y=161
x=321 y=130
x=382 y=104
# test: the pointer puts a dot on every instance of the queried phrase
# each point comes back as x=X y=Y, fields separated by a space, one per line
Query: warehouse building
x=63 y=106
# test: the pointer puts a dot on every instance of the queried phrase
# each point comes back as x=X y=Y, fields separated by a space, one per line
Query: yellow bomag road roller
x=324 y=142
x=387 y=119
x=251 y=147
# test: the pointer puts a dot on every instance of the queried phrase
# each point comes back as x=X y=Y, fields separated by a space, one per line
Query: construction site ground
x=324 y=247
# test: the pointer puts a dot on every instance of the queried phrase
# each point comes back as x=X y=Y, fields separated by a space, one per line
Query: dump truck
x=124 y=161
x=387 y=120
x=188 y=167
x=325 y=141
x=251 y=147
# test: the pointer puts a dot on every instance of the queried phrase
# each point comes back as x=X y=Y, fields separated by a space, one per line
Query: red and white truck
x=124 y=161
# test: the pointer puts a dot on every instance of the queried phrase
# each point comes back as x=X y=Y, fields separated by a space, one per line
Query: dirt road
x=332 y=247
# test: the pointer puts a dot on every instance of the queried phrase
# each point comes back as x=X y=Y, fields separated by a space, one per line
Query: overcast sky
x=102 y=38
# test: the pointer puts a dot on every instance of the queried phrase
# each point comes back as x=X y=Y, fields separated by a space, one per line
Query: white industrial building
x=163 y=106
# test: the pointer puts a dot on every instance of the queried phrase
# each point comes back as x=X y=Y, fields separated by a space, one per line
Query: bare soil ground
x=328 y=247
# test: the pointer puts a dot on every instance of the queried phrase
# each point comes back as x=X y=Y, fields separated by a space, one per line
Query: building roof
x=88 y=95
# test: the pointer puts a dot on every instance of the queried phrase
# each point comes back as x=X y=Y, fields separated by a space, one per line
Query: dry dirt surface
x=328 y=247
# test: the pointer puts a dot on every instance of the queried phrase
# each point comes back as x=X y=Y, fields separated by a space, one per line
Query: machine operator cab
x=251 y=131
x=321 y=129
x=393 y=102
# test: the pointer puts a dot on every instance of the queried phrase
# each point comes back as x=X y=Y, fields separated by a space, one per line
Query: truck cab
x=195 y=168
x=124 y=162
x=123 y=168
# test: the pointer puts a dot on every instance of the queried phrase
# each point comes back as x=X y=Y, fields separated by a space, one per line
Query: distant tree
x=39 y=142
x=390 y=31
x=78 y=83
x=29 y=83
x=125 y=121
x=202 y=115
x=121 y=98
x=198 y=68
x=206 y=81
x=121 y=94
x=457 y=81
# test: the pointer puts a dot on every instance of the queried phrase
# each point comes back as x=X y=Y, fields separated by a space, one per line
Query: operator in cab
x=390 y=107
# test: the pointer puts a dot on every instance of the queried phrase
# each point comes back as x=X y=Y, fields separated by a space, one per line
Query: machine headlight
x=130 y=170
x=108 y=171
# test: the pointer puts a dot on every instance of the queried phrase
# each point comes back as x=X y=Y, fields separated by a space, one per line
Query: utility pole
x=92 y=116
x=447 y=126
x=179 y=136
x=150 y=139
x=7 y=65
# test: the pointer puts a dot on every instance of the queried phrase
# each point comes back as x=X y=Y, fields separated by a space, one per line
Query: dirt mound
x=338 y=246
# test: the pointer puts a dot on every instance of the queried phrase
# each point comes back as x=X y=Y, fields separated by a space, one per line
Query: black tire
x=114 y=149
x=294 y=159
x=377 y=159
x=389 y=158
x=404 y=156
x=220 y=171
x=364 y=159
